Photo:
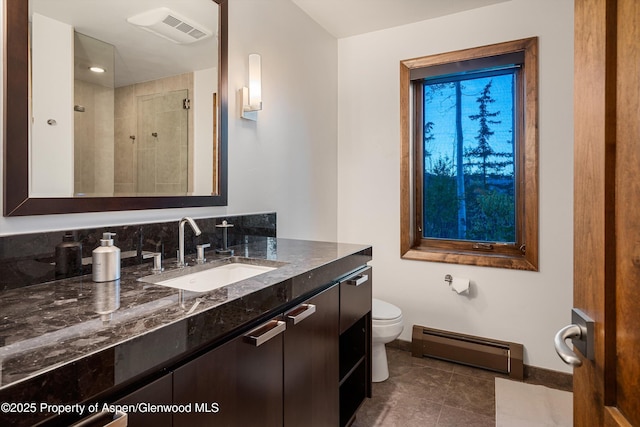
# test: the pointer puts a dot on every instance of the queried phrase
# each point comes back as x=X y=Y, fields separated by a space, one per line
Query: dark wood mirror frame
x=16 y=132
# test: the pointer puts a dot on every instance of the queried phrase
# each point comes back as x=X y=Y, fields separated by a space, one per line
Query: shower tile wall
x=93 y=133
x=147 y=164
x=125 y=147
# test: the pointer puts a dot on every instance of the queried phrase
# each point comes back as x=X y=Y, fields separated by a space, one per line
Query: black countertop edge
x=150 y=332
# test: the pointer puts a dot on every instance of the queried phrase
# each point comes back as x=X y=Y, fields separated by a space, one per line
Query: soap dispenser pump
x=106 y=260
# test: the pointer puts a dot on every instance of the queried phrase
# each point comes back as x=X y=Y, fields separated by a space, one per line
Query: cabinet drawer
x=355 y=297
x=159 y=392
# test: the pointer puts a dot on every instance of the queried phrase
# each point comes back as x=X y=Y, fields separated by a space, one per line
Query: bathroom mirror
x=22 y=193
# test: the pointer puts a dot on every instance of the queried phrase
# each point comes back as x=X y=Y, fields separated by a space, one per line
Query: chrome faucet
x=196 y=230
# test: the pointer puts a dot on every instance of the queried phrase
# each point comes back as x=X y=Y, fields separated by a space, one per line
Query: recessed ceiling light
x=97 y=69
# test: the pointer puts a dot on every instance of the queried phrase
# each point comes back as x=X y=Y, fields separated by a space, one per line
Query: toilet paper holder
x=460 y=285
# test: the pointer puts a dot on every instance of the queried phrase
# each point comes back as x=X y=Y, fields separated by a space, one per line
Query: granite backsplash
x=29 y=259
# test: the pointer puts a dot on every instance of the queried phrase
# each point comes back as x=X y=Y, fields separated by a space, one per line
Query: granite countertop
x=53 y=332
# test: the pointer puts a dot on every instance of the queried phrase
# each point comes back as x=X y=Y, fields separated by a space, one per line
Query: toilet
x=386 y=327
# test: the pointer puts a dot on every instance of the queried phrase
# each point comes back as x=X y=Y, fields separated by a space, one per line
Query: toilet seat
x=388 y=322
x=383 y=312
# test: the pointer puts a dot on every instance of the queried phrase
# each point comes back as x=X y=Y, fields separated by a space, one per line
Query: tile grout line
x=439 y=415
x=445 y=398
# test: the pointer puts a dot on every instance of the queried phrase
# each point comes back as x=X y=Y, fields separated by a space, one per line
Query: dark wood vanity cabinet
x=311 y=362
x=236 y=384
x=283 y=373
x=355 y=343
x=307 y=366
x=158 y=392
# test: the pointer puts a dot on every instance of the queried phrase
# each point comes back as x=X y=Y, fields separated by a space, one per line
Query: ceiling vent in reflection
x=170 y=25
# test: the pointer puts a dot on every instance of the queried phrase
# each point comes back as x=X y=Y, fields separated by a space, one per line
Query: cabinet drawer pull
x=264 y=333
x=358 y=280
x=104 y=419
x=300 y=313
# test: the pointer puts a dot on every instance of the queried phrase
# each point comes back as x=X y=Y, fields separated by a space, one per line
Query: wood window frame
x=523 y=255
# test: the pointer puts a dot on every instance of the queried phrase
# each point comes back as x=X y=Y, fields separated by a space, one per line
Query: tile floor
x=428 y=392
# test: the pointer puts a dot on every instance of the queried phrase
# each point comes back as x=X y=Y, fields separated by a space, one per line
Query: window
x=469 y=163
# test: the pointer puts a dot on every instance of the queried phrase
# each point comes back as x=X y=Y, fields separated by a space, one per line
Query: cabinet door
x=158 y=392
x=236 y=384
x=311 y=360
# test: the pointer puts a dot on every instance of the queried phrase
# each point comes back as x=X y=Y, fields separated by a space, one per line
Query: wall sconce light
x=252 y=96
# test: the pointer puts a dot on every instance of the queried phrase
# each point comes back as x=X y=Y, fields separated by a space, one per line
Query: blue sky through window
x=440 y=110
x=477 y=201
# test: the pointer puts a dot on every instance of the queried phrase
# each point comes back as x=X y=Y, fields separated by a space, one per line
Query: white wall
x=52 y=91
x=525 y=307
x=286 y=162
x=287 y=159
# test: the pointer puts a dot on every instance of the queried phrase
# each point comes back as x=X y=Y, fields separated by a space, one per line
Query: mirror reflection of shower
x=128 y=140
x=160 y=158
x=94 y=109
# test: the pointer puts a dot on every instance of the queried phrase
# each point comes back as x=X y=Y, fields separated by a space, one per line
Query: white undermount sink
x=205 y=279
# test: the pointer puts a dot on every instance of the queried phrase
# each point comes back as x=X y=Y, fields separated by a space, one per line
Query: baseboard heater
x=500 y=356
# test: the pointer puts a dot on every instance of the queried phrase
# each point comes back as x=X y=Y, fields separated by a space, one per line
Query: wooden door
x=607 y=208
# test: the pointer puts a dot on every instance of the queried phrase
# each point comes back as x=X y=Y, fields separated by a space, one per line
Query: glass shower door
x=162 y=149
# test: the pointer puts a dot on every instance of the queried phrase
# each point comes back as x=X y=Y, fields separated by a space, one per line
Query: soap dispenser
x=68 y=257
x=106 y=260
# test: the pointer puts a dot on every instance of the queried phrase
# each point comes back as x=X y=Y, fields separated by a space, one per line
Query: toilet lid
x=382 y=310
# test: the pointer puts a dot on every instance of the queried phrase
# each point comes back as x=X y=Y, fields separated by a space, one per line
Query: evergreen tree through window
x=469 y=164
x=469 y=158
